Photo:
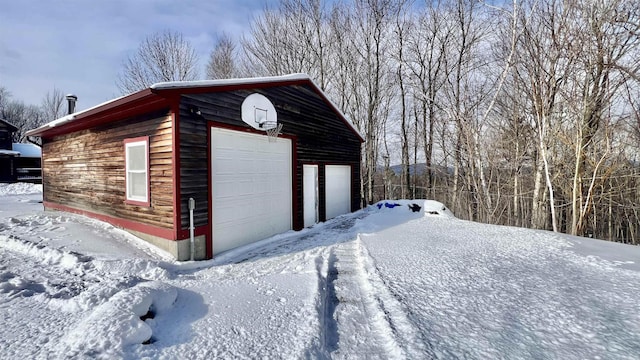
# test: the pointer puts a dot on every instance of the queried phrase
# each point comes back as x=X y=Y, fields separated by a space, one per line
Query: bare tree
x=4 y=97
x=527 y=110
x=53 y=104
x=291 y=39
x=165 y=56
x=370 y=37
x=402 y=27
x=24 y=117
x=608 y=46
x=223 y=59
x=428 y=51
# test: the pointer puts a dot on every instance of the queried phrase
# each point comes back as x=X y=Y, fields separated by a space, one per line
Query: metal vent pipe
x=71 y=101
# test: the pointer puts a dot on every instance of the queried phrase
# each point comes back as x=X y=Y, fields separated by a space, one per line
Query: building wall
x=5 y=138
x=85 y=170
x=320 y=137
x=7 y=169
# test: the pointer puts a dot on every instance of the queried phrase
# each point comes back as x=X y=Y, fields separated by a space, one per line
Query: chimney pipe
x=71 y=101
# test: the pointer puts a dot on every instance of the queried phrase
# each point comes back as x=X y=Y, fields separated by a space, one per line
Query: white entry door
x=251 y=188
x=310 y=194
x=337 y=190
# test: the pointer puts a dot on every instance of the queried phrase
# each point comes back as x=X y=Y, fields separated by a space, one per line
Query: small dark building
x=259 y=157
x=7 y=154
x=28 y=163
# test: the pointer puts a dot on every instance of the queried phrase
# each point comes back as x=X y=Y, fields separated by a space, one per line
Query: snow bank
x=117 y=323
x=427 y=207
x=432 y=207
x=20 y=189
x=479 y=291
x=47 y=256
x=389 y=213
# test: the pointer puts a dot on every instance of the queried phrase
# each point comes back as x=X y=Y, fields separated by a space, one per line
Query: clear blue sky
x=78 y=46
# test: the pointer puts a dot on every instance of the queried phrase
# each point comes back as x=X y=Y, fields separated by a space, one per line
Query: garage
x=338 y=190
x=251 y=184
x=230 y=162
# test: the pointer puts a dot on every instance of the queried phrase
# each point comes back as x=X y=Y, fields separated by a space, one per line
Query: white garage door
x=251 y=185
x=338 y=190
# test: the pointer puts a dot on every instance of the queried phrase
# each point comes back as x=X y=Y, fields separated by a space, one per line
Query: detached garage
x=257 y=157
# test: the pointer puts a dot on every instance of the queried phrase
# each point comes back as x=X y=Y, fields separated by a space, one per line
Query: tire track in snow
x=368 y=323
x=58 y=290
x=66 y=279
x=410 y=337
x=326 y=305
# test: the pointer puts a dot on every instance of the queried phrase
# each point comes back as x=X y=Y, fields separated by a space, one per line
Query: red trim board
x=165 y=233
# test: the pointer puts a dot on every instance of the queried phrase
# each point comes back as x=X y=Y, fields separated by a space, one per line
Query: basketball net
x=273 y=132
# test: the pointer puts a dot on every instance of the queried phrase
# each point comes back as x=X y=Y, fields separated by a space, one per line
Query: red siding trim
x=135 y=202
x=164 y=233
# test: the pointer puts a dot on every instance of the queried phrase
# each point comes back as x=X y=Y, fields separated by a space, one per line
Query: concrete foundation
x=180 y=249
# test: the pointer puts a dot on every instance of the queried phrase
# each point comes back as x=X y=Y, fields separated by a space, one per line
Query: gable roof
x=8 y=125
x=159 y=95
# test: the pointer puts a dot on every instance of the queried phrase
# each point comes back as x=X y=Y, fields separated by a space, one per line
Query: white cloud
x=79 y=46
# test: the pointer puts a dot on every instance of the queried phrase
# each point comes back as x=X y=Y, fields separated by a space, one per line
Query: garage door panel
x=251 y=180
x=337 y=190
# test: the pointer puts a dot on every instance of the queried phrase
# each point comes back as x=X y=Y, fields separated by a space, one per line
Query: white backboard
x=259 y=112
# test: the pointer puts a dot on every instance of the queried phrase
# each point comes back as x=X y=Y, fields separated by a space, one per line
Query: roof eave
x=74 y=122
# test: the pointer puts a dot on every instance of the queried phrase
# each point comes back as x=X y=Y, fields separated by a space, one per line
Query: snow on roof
x=70 y=117
x=8 y=124
x=226 y=82
x=28 y=150
x=9 y=152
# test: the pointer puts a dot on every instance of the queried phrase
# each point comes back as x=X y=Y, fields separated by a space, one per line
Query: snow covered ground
x=380 y=283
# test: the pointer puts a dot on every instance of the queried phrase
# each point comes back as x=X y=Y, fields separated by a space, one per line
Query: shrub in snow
x=117 y=322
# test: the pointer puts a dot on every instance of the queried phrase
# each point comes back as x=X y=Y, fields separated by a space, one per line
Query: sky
x=79 y=46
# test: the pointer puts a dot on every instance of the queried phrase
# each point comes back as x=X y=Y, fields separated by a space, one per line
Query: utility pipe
x=192 y=206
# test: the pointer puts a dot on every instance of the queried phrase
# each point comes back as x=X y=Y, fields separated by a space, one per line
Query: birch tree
x=427 y=63
x=609 y=45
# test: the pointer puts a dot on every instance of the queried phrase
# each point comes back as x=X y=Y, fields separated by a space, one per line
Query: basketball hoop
x=272 y=129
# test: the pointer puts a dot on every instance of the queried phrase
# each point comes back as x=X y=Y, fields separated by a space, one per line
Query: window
x=137 y=171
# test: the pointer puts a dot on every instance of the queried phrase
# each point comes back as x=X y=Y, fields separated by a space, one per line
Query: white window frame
x=132 y=199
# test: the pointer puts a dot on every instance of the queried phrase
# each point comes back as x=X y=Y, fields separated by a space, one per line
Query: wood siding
x=319 y=134
x=86 y=169
x=194 y=176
